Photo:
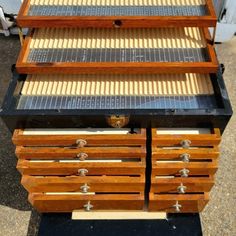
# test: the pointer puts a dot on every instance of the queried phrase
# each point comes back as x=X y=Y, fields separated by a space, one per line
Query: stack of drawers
x=183 y=166
x=91 y=169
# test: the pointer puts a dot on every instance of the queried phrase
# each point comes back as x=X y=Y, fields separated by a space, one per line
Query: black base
x=177 y=224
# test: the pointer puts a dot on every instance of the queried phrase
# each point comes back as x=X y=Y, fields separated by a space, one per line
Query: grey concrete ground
x=16 y=215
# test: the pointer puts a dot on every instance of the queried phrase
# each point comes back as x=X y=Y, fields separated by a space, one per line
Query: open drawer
x=82 y=13
x=67 y=202
x=127 y=51
x=158 y=100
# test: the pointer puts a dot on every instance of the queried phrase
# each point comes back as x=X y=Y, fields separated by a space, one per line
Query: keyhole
x=117 y=23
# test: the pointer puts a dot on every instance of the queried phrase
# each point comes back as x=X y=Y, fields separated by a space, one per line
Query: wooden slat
x=71 y=168
x=69 y=203
x=195 y=168
x=170 y=185
x=190 y=203
x=67 y=153
x=196 y=140
x=24 y=20
x=175 y=154
x=74 y=183
x=70 y=140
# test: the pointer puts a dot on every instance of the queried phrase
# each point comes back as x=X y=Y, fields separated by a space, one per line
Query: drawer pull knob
x=82 y=172
x=185 y=157
x=88 y=206
x=184 y=172
x=181 y=188
x=84 y=188
x=82 y=156
x=177 y=206
x=185 y=143
x=117 y=23
x=81 y=143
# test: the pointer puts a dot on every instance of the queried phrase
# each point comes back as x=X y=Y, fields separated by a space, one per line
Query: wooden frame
x=24 y=20
x=25 y=67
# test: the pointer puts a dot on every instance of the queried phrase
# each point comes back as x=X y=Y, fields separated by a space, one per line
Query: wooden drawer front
x=190 y=169
x=172 y=203
x=78 y=138
x=84 y=184
x=88 y=153
x=173 y=138
x=77 y=168
x=181 y=185
x=184 y=154
x=68 y=203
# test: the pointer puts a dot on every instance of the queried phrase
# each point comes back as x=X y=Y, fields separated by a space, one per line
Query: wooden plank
x=69 y=203
x=116 y=67
x=70 y=140
x=194 y=168
x=118 y=215
x=170 y=185
x=74 y=184
x=190 y=203
x=175 y=154
x=71 y=168
x=77 y=153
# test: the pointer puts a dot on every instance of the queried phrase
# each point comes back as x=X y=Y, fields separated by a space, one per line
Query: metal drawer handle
x=185 y=143
x=82 y=156
x=84 y=188
x=185 y=157
x=177 y=206
x=184 y=172
x=82 y=172
x=81 y=143
x=88 y=206
x=181 y=188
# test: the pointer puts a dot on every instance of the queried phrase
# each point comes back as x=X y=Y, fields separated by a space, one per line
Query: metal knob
x=184 y=172
x=181 y=188
x=185 y=143
x=82 y=156
x=82 y=172
x=185 y=157
x=84 y=188
x=177 y=206
x=88 y=206
x=81 y=143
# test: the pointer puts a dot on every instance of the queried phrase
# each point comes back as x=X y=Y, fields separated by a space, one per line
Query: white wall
x=10 y=6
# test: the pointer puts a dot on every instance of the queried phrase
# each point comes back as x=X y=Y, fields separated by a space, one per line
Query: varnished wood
x=74 y=183
x=195 y=168
x=170 y=185
x=175 y=154
x=70 y=140
x=71 y=168
x=196 y=140
x=67 y=153
x=190 y=203
x=69 y=203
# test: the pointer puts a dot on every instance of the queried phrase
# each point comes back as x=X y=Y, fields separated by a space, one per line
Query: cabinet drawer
x=184 y=169
x=184 y=154
x=172 y=203
x=79 y=137
x=69 y=202
x=88 y=153
x=84 y=184
x=185 y=138
x=80 y=168
x=181 y=185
